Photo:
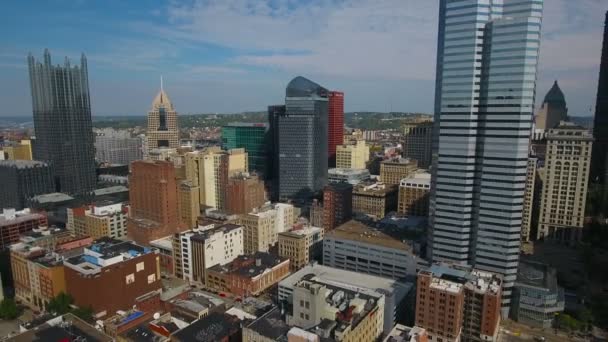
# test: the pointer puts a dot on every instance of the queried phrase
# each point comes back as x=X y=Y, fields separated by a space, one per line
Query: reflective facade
x=251 y=137
x=62 y=122
x=599 y=172
x=487 y=61
x=299 y=134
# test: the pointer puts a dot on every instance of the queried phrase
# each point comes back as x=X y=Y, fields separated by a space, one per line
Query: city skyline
x=204 y=61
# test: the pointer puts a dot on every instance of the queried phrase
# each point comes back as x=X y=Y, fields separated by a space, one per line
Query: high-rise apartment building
x=244 y=193
x=455 y=303
x=553 y=109
x=392 y=171
x=335 y=124
x=253 y=138
x=486 y=77
x=23 y=179
x=153 y=196
x=301 y=245
x=564 y=194
x=117 y=147
x=417 y=141
x=163 y=128
x=414 y=192
x=337 y=204
x=62 y=122
x=599 y=170
x=352 y=156
x=299 y=136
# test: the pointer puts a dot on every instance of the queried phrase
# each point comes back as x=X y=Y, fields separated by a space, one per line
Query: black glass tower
x=299 y=138
x=600 y=122
x=62 y=122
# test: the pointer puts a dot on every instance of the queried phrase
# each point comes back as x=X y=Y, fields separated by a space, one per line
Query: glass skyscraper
x=251 y=137
x=299 y=138
x=62 y=122
x=486 y=76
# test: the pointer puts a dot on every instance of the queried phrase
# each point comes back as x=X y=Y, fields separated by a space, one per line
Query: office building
x=315 y=213
x=351 y=176
x=153 y=197
x=117 y=147
x=537 y=298
x=599 y=170
x=487 y=60
x=163 y=128
x=244 y=192
x=414 y=193
x=14 y=223
x=564 y=194
x=62 y=122
x=529 y=200
x=374 y=200
x=210 y=170
x=417 y=141
x=553 y=109
x=248 y=275
x=197 y=250
x=17 y=150
x=260 y=229
x=301 y=245
x=335 y=123
x=352 y=155
x=357 y=247
x=253 y=138
x=100 y=220
x=456 y=303
x=112 y=275
x=23 y=179
x=392 y=171
x=189 y=203
x=299 y=136
x=337 y=205
x=396 y=293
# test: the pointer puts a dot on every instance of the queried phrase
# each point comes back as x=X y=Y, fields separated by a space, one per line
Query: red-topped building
x=335 y=129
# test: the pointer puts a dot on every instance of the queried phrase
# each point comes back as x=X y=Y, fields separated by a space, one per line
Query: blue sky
x=235 y=55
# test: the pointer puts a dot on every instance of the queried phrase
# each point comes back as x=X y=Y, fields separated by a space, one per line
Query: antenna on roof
x=161 y=82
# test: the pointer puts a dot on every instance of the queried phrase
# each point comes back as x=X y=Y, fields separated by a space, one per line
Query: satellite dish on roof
x=156 y=315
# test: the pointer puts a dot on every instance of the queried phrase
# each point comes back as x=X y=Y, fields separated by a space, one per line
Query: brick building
x=244 y=192
x=337 y=204
x=14 y=223
x=374 y=199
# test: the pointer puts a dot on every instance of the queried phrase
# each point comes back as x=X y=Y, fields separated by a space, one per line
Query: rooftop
x=453 y=277
x=250 y=265
x=303 y=87
x=357 y=231
x=270 y=325
x=418 y=179
x=54 y=197
x=348 y=172
x=105 y=252
x=214 y=327
x=203 y=235
x=374 y=188
x=110 y=190
x=537 y=275
x=22 y=164
x=301 y=230
x=10 y=216
x=401 y=333
x=63 y=328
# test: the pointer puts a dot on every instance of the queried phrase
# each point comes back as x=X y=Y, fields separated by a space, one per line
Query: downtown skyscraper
x=486 y=77
x=299 y=138
x=599 y=160
x=62 y=122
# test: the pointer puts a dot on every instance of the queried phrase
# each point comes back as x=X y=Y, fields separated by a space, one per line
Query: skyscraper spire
x=161 y=83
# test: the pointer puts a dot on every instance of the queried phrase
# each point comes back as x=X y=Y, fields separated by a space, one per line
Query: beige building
x=301 y=245
x=526 y=217
x=352 y=156
x=210 y=170
x=260 y=230
x=18 y=151
x=414 y=194
x=163 y=129
x=417 y=140
x=100 y=220
x=565 y=186
x=374 y=200
x=392 y=171
x=190 y=205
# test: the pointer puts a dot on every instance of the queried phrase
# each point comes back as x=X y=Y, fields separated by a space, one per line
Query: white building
x=117 y=146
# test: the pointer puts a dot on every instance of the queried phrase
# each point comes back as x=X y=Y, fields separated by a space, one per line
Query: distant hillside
x=585 y=121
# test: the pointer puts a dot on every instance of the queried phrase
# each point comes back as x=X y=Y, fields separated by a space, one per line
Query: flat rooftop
x=22 y=164
x=374 y=188
x=452 y=278
x=302 y=231
x=19 y=217
x=64 y=328
x=246 y=265
x=357 y=231
x=54 y=197
x=110 y=190
x=214 y=327
x=105 y=252
x=206 y=234
x=270 y=325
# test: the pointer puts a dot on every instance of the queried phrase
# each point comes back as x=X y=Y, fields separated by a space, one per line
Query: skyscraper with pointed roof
x=62 y=122
x=599 y=172
x=553 y=109
x=163 y=129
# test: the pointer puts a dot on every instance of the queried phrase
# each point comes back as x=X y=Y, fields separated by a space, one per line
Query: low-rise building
x=536 y=296
x=354 y=246
x=268 y=328
x=248 y=275
x=14 y=223
x=374 y=200
x=261 y=226
x=392 y=171
x=197 y=250
x=337 y=204
x=414 y=195
x=62 y=328
x=401 y=333
x=301 y=245
x=215 y=327
x=112 y=275
x=103 y=219
x=351 y=176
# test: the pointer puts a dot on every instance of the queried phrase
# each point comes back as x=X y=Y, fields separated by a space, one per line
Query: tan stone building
x=392 y=171
x=417 y=140
x=374 y=200
x=190 y=205
x=414 y=194
x=163 y=129
x=260 y=230
x=100 y=220
x=564 y=194
x=526 y=217
x=18 y=151
x=352 y=155
x=301 y=245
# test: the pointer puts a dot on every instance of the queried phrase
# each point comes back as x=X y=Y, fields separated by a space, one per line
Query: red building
x=337 y=205
x=335 y=129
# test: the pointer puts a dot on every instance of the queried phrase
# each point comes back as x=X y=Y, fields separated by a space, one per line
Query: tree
x=9 y=309
x=567 y=322
x=61 y=304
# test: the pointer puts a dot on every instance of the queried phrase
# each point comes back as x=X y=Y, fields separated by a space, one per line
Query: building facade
x=244 y=193
x=299 y=136
x=253 y=138
x=260 y=230
x=189 y=203
x=117 y=147
x=599 y=173
x=417 y=141
x=301 y=245
x=374 y=200
x=352 y=156
x=100 y=220
x=335 y=123
x=163 y=126
x=337 y=205
x=351 y=176
x=414 y=193
x=62 y=122
x=23 y=179
x=392 y=171
x=564 y=194
x=14 y=223
x=529 y=200
x=487 y=60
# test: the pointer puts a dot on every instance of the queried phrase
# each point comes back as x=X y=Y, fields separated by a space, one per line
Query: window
x=151 y=278
x=139 y=266
x=130 y=279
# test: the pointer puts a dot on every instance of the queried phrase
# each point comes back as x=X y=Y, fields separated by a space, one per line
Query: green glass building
x=251 y=137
